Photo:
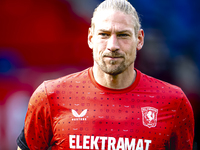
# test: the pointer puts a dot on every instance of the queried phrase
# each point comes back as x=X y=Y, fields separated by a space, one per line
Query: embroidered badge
x=149 y=116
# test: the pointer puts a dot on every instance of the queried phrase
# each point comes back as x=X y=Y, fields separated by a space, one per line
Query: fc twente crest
x=149 y=116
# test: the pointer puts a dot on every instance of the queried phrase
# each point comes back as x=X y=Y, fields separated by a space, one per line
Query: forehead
x=108 y=19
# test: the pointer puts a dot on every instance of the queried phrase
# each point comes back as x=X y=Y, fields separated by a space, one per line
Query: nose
x=112 y=44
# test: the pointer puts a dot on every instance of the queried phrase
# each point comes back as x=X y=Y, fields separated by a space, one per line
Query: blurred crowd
x=47 y=39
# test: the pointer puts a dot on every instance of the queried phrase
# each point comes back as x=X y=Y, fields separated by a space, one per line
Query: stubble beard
x=113 y=68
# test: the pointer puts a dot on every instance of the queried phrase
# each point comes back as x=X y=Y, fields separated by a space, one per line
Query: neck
x=120 y=81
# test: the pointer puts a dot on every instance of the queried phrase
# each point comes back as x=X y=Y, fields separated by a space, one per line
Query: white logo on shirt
x=77 y=116
x=109 y=143
x=149 y=116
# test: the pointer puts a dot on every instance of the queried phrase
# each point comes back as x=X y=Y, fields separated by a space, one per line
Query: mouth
x=112 y=60
x=113 y=56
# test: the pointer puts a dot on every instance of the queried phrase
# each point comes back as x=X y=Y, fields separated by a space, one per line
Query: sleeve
x=21 y=142
x=183 y=131
x=37 y=129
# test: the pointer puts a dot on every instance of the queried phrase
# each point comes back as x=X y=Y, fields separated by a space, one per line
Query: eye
x=103 y=34
x=123 y=35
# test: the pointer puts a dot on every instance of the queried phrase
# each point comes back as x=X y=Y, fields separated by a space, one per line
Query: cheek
x=131 y=54
x=97 y=53
x=100 y=47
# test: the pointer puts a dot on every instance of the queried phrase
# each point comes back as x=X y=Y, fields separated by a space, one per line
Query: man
x=110 y=105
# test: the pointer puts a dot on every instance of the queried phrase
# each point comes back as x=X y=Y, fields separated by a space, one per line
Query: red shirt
x=75 y=112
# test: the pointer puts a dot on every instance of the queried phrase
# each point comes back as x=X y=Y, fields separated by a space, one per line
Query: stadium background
x=46 y=39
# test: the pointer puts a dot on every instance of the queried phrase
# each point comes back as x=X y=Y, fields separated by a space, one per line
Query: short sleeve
x=21 y=142
x=183 y=132
x=37 y=130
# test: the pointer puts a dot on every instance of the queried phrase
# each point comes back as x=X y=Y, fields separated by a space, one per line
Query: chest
x=131 y=120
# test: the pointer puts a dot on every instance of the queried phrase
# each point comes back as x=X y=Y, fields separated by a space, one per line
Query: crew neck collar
x=125 y=90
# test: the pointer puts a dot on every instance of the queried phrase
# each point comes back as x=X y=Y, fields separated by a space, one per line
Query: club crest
x=149 y=116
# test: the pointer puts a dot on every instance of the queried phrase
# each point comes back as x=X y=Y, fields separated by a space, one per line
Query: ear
x=90 y=36
x=140 y=39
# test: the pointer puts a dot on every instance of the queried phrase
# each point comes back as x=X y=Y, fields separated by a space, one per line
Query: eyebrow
x=122 y=31
x=103 y=30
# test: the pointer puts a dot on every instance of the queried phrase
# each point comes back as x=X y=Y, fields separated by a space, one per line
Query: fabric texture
x=21 y=142
x=75 y=112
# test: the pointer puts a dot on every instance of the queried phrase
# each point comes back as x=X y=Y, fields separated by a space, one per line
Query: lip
x=113 y=57
x=107 y=57
x=116 y=59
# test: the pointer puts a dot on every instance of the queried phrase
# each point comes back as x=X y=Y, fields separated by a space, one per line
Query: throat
x=119 y=81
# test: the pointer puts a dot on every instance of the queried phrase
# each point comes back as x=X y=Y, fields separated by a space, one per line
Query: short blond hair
x=118 y=5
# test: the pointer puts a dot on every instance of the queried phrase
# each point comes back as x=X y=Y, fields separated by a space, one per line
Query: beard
x=113 y=67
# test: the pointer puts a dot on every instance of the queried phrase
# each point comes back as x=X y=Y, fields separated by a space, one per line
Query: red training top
x=75 y=112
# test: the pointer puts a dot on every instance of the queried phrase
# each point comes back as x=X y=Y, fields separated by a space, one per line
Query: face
x=114 y=42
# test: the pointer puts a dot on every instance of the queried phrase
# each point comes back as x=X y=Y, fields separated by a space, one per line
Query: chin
x=114 y=71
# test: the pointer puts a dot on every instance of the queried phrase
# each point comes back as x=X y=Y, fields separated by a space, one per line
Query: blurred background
x=47 y=39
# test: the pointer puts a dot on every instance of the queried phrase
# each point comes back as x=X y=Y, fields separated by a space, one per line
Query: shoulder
x=61 y=85
x=67 y=79
x=155 y=83
x=164 y=91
